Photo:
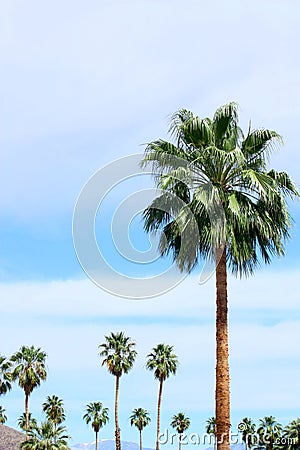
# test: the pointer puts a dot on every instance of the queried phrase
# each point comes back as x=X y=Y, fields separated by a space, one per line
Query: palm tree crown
x=180 y=422
x=96 y=414
x=118 y=353
x=221 y=176
x=292 y=433
x=54 y=409
x=22 y=421
x=5 y=375
x=3 y=417
x=45 y=437
x=140 y=418
x=162 y=361
x=29 y=369
x=270 y=429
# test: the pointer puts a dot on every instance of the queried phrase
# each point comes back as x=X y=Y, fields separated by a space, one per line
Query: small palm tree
x=181 y=423
x=43 y=437
x=247 y=428
x=22 y=421
x=3 y=417
x=292 y=434
x=140 y=418
x=269 y=431
x=211 y=429
x=118 y=352
x=29 y=369
x=163 y=362
x=5 y=375
x=98 y=415
x=54 y=409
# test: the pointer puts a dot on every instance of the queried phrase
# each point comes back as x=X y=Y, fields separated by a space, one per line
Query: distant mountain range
x=107 y=444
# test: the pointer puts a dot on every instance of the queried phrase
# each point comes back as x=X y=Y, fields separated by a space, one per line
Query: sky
x=84 y=85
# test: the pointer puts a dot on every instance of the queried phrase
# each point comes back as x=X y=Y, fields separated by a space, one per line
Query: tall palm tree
x=292 y=434
x=22 y=421
x=29 y=368
x=269 y=430
x=5 y=375
x=118 y=352
x=44 y=437
x=54 y=409
x=98 y=415
x=163 y=362
x=181 y=423
x=228 y=207
x=3 y=417
x=211 y=429
x=247 y=428
x=140 y=418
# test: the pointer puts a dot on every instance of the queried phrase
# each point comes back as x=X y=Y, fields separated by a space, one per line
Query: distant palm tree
x=292 y=434
x=22 y=421
x=269 y=431
x=29 y=369
x=98 y=415
x=140 y=418
x=118 y=352
x=247 y=428
x=3 y=417
x=5 y=375
x=163 y=362
x=181 y=423
x=211 y=429
x=42 y=438
x=54 y=409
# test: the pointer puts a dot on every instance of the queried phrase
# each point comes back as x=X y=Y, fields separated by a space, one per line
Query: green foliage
x=53 y=407
x=162 y=361
x=180 y=422
x=46 y=437
x=97 y=415
x=22 y=421
x=29 y=368
x=3 y=417
x=221 y=177
x=140 y=418
x=5 y=375
x=118 y=352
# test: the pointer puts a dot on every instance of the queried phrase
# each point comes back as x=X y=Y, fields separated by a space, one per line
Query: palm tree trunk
x=141 y=444
x=222 y=368
x=117 y=432
x=96 y=444
x=26 y=413
x=179 y=437
x=158 y=413
x=55 y=437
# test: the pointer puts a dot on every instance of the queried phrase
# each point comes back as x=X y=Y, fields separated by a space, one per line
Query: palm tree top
x=140 y=418
x=180 y=422
x=118 y=352
x=221 y=175
x=162 y=361
x=5 y=375
x=29 y=367
x=97 y=414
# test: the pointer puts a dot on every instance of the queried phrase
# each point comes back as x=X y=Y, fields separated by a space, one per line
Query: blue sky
x=83 y=85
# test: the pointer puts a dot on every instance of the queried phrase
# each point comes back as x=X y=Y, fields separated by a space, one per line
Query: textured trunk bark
x=141 y=443
x=222 y=367
x=158 y=413
x=117 y=432
x=96 y=445
x=27 y=414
